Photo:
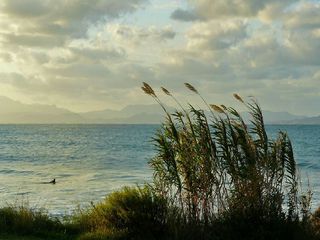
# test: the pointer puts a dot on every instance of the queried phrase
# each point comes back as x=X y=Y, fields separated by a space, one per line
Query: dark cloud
x=26 y=9
x=14 y=79
x=6 y=57
x=214 y=9
x=60 y=17
x=184 y=15
x=167 y=34
x=32 y=40
x=138 y=35
x=99 y=54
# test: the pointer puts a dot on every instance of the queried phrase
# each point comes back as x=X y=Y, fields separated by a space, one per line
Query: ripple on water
x=16 y=172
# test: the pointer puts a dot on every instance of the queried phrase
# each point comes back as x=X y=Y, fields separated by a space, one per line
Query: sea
x=90 y=161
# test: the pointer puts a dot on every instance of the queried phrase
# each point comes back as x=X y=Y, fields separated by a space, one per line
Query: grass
x=16 y=237
x=136 y=213
x=215 y=177
x=130 y=212
x=25 y=221
x=219 y=166
x=224 y=174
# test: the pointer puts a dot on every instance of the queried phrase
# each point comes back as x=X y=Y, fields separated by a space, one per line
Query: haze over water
x=90 y=161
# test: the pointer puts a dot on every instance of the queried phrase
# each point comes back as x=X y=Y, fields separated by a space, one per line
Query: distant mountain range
x=18 y=113
x=14 y=112
x=306 y=121
x=132 y=114
x=277 y=117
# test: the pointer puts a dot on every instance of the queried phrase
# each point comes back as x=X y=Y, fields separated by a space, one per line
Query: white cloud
x=215 y=35
x=266 y=49
x=40 y=38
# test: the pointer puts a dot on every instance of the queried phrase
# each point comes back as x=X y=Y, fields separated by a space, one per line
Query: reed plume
x=148 y=89
x=191 y=88
x=216 y=108
x=166 y=91
x=236 y=96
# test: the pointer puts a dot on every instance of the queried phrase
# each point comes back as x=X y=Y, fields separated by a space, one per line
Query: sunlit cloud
x=89 y=55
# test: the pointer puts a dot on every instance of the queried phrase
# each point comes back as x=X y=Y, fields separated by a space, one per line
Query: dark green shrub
x=135 y=213
x=23 y=220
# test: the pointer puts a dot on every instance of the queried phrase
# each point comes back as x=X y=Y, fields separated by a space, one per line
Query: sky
x=86 y=55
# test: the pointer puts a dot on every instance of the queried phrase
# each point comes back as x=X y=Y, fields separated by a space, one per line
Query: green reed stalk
x=210 y=169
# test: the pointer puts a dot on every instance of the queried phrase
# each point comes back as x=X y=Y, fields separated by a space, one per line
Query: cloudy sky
x=88 y=55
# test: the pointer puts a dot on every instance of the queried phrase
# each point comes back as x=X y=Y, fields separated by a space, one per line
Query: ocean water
x=90 y=161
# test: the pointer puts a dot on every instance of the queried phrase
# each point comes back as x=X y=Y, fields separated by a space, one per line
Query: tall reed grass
x=212 y=164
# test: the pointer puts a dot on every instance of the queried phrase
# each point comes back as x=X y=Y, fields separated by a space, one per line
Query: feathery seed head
x=224 y=107
x=236 y=96
x=216 y=108
x=148 y=89
x=191 y=88
x=166 y=91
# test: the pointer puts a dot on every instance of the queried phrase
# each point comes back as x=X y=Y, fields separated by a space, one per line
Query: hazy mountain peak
x=12 y=111
x=150 y=108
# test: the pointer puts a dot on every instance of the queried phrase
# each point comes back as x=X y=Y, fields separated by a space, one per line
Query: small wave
x=65 y=175
x=23 y=193
x=125 y=176
x=16 y=172
x=303 y=165
x=67 y=190
x=309 y=166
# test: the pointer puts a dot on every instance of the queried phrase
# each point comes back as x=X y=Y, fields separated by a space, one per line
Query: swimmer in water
x=53 y=181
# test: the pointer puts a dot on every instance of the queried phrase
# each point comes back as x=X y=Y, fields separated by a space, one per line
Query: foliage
x=212 y=169
x=23 y=220
x=128 y=212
